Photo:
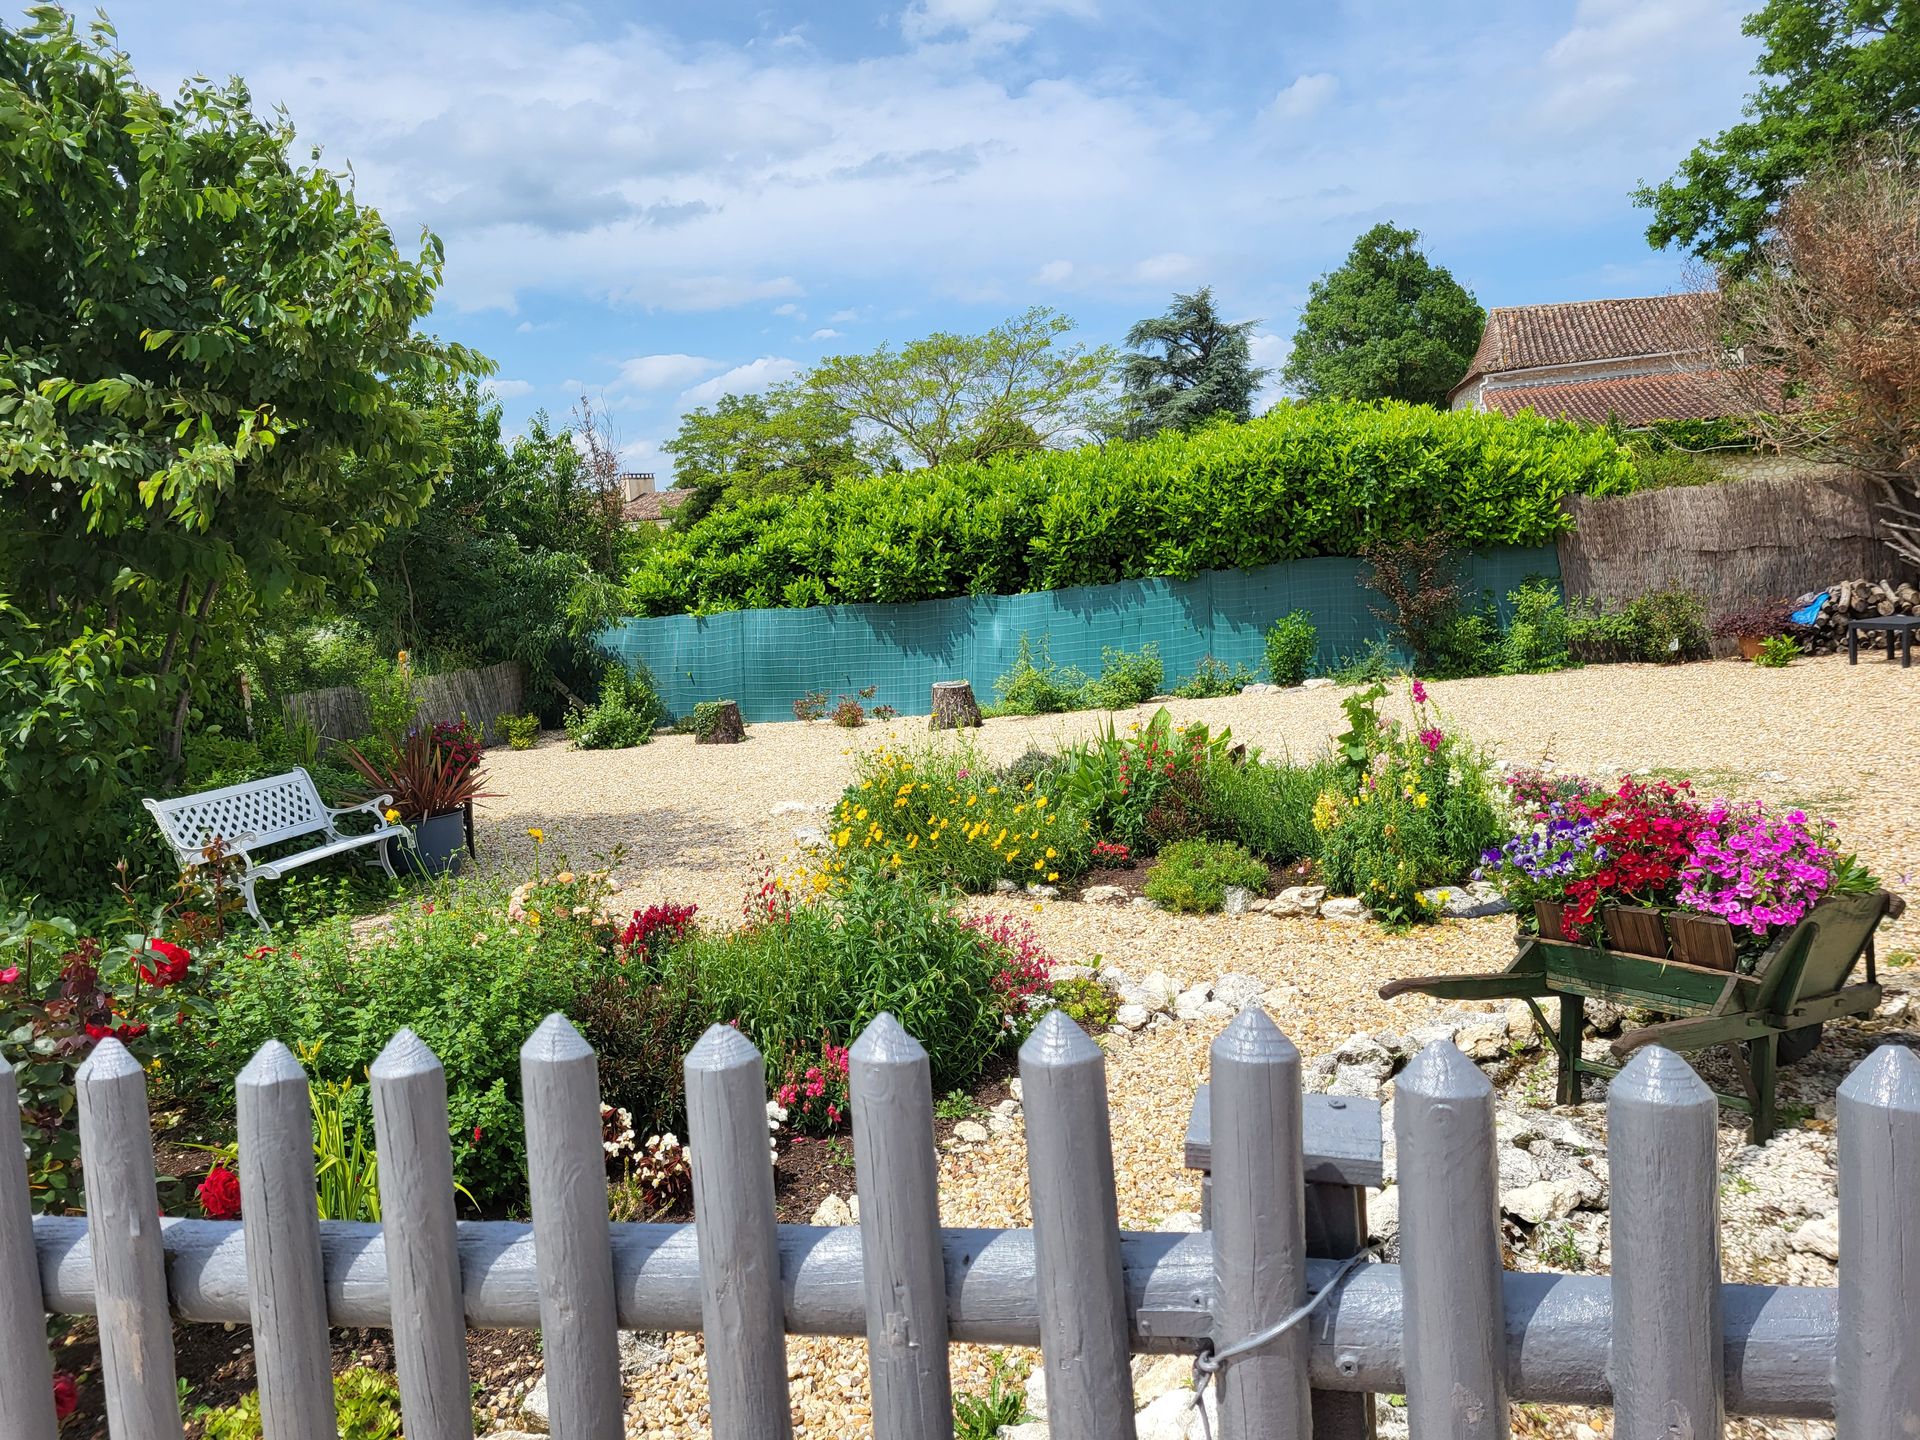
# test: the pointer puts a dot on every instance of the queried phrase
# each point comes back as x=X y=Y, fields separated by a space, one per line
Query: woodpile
x=1857 y=600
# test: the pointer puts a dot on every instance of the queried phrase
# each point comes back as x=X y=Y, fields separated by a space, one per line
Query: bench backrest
x=256 y=813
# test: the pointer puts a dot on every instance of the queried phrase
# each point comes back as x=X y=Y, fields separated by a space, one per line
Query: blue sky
x=653 y=204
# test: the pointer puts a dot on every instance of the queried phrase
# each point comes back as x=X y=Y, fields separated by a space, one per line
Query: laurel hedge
x=1320 y=479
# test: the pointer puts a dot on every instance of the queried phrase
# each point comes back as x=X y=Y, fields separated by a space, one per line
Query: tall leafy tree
x=745 y=446
x=1188 y=365
x=1387 y=325
x=1832 y=72
x=204 y=354
x=1018 y=387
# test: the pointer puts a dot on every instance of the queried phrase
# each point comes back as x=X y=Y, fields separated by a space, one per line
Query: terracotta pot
x=1701 y=940
x=1635 y=930
x=1749 y=645
x=1551 y=916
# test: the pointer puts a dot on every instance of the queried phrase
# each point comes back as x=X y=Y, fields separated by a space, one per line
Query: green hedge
x=1318 y=479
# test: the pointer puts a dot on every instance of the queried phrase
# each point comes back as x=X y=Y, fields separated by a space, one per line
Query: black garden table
x=1901 y=626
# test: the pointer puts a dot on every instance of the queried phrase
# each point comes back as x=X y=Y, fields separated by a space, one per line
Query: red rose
x=220 y=1194
x=66 y=1396
x=173 y=964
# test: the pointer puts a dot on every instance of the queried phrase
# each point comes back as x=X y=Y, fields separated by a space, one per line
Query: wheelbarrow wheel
x=1796 y=1045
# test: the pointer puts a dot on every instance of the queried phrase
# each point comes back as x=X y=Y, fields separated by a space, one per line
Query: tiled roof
x=1637 y=400
x=1521 y=337
x=653 y=506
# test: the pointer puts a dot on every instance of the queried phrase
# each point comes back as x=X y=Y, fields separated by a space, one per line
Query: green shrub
x=465 y=978
x=1665 y=627
x=1193 y=875
x=313 y=655
x=393 y=700
x=1268 y=808
x=1378 y=662
x=1292 y=642
x=521 y=731
x=1036 y=686
x=1539 y=637
x=1211 y=679
x=1777 y=651
x=1002 y=1403
x=626 y=714
x=1142 y=788
x=1033 y=766
x=1463 y=644
x=1127 y=678
x=943 y=815
x=366 y=1403
x=1086 y=1002
x=818 y=965
x=1319 y=479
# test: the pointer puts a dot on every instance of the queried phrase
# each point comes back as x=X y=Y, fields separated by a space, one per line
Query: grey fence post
x=1878 y=1390
x=1668 y=1371
x=1455 y=1346
x=897 y=1173
x=417 y=1218
x=26 y=1369
x=573 y=1248
x=1259 y=1228
x=129 y=1265
x=1076 y=1234
x=733 y=1223
x=280 y=1216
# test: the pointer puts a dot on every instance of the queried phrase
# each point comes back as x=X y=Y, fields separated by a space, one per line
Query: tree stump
x=720 y=725
x=954 y=705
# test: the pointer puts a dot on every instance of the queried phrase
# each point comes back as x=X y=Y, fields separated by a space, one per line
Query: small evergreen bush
x=1193 y=875
x=626 y=714
x=1539 y=637
x=1291 y=643
x=521 y=731
x=1211 y=679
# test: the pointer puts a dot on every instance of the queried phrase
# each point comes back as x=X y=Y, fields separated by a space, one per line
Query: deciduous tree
x=746 y=446
x=1387 y=325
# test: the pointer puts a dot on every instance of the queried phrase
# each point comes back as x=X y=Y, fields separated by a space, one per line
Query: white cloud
x=1054 y=272
x=507 y=389
x=826 y=333
x=1158 y=268
x=843 y=317
x=787 y=309
x=662 y=372
x=985 y=23
x=749 y=379
x=1305 y=96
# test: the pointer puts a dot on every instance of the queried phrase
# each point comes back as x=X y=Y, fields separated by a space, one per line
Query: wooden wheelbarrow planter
x=1769 y=1018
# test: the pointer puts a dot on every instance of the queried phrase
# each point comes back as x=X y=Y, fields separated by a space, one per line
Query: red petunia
x=220 y=1194
x=172 y=968
x=66 y=1396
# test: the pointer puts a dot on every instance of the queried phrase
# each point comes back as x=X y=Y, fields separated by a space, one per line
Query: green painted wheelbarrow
x=1769 y=1018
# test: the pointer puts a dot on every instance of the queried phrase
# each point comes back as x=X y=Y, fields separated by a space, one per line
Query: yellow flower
x=533 y=917
x=393 y=816
x=972 y=800
x=1052 y=854
x=539 y=835
x=913 y=841
x=1053 y=875
x=1040 y=803
x=1421 y=801
x=1038 y=863
x=861 y=813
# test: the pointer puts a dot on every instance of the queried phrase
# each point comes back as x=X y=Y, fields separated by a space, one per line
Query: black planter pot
x=439 y=845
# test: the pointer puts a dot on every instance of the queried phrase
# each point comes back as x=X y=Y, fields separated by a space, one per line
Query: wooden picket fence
x=1661 y=1339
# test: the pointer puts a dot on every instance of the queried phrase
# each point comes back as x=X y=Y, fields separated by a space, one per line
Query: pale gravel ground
x=697 y=821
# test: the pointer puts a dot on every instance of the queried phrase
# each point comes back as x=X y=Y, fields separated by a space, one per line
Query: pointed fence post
x=572 y=1246
x=897 y=1175
x=1668 y=1371
x=737 y=1240
x=1878 y=1390
x=1076 y=1234
x=129 y=1265
x=1259 y=1229
x=280 y=1216
x=417 y=1219
x=1455 y=1314
x=26 y=1368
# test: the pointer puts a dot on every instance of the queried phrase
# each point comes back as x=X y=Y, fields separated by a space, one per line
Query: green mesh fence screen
x=765 y=659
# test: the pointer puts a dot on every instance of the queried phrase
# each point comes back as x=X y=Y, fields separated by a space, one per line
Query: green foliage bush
x=626 y=714
x=1036 y=686
x=366 y=1404
x=1291 y=644
x=1319 y=479
x=1142 y=787
x=1665 y=627
x=1267 y=807
x=1539 y=637
x=1212 y=678
x=1127 y=678
x=1777 y=652
x=1193 y=875
x=1086 y=1002
x=465 y=978
x=521 y=731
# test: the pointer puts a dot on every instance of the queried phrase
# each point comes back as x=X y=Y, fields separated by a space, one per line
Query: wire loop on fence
x=1209 y=1362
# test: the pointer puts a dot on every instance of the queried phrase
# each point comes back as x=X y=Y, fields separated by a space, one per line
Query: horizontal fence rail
x=1447 y=1328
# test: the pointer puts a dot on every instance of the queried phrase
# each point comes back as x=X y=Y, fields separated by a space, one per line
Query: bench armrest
x=376 y=807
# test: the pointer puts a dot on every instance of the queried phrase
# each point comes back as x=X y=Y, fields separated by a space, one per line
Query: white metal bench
x=259 y=813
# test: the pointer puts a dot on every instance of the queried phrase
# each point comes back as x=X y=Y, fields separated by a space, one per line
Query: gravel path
x=696 y=821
